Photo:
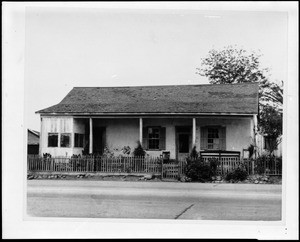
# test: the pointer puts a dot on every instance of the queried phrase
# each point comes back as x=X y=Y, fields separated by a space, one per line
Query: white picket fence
x=95 y=164
x=154 y=165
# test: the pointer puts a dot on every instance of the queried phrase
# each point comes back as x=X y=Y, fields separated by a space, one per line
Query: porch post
x=194 y=132
x=255 y=142
x=91 y=136
x=141 y=130
x=254 y=133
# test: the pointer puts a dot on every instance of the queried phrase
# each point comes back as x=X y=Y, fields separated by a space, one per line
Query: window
x=213 y=138
x=78 y=142
x=65 y=140
x=52 y=139
x=154 y=138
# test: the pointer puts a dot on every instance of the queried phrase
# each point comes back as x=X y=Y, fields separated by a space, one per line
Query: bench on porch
x=221 y=155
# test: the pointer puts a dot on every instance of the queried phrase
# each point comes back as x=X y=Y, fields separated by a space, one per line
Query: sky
x=72 y=47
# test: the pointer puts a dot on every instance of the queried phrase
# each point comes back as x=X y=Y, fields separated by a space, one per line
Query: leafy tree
x=232 y=65
x=271 y=94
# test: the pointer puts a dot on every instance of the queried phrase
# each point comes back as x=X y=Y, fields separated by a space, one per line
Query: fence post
x=252 y=161
x=162 y=169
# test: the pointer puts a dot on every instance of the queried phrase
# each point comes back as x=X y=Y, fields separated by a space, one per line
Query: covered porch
x=174 y=134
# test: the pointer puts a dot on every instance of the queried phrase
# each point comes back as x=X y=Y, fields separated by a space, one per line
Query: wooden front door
x=98 y=140
x=183 y=142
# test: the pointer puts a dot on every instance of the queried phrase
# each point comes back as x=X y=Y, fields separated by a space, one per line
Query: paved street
x=153 y=200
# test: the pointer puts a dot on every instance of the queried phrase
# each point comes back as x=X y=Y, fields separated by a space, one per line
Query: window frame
x=154 y=139
x=53 y=134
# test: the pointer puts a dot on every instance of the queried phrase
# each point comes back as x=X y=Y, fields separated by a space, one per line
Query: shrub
x=139 y=150
x=239 y=174
x=199 y=170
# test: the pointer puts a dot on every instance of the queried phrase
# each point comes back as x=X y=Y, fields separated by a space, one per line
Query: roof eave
x=145 y=113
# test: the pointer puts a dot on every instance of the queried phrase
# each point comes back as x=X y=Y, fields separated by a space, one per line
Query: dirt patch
x=254 y=179
x=96 y=177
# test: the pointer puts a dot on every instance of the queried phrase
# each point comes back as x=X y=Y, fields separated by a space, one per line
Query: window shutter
x=145 y=138
x=223 y=138
x=203 y=136
x=162 y=138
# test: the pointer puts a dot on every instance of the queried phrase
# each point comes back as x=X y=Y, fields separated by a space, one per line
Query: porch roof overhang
x=148 y=115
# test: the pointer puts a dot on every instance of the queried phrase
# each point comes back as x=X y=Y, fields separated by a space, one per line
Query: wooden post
x=194 y=133
x=141 y=131
x=254 y=137
x=162 y=169
x=254 y=134
x=91 y=136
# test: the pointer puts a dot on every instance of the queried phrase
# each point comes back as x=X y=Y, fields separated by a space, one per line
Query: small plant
x=107 y=152
x=139 y=150
x=46 y=155
x=251 y=150
x=239 y=174
x=194 y=154
x=76 y=156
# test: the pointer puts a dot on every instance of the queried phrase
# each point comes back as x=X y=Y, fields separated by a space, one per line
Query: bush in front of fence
x=238 y=174
x=200 y=170
x=139 y=150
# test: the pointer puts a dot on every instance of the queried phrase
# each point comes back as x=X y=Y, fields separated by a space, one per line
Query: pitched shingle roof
x=222 y=98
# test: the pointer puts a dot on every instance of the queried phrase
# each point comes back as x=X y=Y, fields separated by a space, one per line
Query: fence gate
x=172 y=170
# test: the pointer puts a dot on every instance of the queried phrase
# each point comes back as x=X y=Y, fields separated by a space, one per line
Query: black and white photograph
x=150 y=120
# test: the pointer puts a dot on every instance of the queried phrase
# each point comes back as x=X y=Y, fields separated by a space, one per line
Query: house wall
x=56 y=125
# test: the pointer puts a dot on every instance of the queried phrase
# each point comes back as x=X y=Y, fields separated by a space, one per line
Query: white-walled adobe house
x=162 y=118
